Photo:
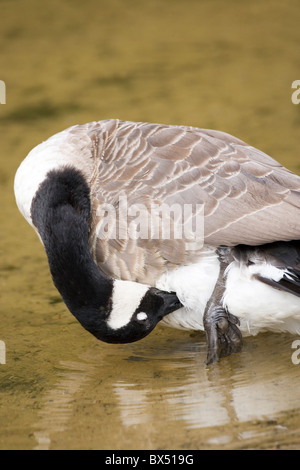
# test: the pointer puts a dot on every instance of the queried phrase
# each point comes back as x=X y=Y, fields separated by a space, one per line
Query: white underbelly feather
x=194 y=285
x=259 y=306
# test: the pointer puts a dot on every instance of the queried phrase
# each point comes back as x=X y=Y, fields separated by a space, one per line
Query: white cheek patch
x=126 y=298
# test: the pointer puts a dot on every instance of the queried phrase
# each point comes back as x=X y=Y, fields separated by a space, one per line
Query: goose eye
x=141 y=316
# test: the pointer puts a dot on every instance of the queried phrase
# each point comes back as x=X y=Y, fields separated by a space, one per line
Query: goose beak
x=171 y=303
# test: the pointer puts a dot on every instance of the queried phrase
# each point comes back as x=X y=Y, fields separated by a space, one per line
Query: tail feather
x=288 y=283
x=282 y=260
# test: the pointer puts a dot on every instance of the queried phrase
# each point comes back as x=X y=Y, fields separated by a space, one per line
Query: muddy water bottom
x=159 y=394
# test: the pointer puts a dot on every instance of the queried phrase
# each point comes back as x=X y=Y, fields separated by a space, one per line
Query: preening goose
x=117 y=205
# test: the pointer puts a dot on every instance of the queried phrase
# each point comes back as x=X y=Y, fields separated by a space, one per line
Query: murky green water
x=224 y=65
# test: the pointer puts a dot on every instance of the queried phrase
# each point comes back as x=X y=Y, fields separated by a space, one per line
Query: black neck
x=61 y=212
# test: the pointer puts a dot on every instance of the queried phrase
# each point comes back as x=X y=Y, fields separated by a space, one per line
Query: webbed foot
x=222 y=334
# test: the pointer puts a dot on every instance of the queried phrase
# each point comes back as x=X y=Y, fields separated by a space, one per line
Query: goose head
x=114 y=311
x=131 y=317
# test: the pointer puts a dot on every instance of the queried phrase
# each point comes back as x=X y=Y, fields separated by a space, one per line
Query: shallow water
x=227 y=66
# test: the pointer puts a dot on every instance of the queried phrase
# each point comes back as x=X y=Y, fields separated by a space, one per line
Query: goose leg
x=222 y=333
x=221 y=327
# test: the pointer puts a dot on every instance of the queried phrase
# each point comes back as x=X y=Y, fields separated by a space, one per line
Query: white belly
x=259 y=306
x=194 y=286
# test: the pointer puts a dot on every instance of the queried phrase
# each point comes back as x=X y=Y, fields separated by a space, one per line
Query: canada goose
x=241 y=275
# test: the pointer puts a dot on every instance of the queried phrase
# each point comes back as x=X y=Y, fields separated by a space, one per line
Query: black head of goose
x=112 y=310
x=238 y=274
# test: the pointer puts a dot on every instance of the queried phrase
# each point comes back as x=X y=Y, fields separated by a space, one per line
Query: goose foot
x=222 y=334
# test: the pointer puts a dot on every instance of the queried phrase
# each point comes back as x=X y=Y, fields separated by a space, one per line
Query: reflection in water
x=250 y=395
x=183 y=402
x=57 y=409
x=159 y=394
x=133 y=404
x=196 y=407
x=266 y=399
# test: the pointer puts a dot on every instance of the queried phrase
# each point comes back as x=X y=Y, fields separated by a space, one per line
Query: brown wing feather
x=248 y=197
